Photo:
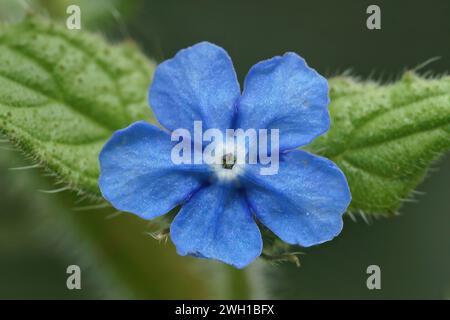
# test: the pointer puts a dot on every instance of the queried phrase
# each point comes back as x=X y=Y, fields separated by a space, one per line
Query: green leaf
x=385 y=137
x=64 y=92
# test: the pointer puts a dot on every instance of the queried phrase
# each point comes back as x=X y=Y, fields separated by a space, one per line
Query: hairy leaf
x=64 y=92
x=385 y=137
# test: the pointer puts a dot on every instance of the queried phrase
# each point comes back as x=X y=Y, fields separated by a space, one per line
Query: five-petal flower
x=303 y=204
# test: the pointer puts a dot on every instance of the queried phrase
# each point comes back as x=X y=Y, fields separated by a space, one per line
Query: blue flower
x=302 y=204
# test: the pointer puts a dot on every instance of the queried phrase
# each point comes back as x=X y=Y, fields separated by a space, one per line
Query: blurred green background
x=41 y=234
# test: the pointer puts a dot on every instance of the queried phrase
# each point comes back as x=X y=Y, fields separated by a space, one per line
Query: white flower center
x=229 y=163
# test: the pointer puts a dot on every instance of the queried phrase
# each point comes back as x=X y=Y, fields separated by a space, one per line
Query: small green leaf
x=64 y=92
x=385 y=137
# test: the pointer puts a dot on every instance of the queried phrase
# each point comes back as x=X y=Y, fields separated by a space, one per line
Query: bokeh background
x=41 y=234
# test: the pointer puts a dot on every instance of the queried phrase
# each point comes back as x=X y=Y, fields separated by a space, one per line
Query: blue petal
x=302 y=204
x=216 y=224
x=284 y=93
x=199 y=83
x=137 y=174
